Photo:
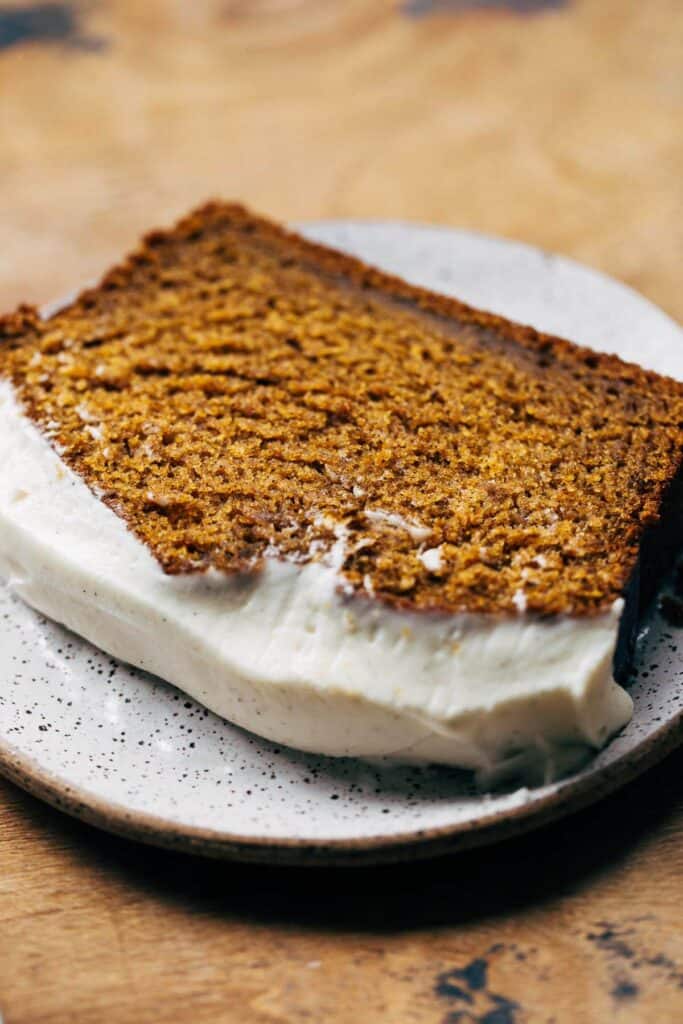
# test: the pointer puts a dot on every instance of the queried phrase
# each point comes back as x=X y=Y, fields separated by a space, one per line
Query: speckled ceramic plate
x=130 y=754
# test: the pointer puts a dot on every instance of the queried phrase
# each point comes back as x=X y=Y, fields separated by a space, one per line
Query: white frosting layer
x=285 y=654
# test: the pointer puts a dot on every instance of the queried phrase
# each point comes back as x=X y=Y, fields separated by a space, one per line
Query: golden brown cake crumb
x=234 y=393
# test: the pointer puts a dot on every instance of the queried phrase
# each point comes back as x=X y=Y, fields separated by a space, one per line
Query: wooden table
x=555 y=122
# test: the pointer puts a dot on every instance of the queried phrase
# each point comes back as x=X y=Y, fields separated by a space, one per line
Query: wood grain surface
x=554 y=121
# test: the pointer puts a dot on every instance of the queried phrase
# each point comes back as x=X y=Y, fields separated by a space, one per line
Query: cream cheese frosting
x=287 y=654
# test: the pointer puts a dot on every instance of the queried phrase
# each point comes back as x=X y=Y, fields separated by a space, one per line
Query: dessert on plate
x=348 y=514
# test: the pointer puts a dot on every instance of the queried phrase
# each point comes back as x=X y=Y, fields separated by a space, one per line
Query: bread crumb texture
x=236 y=393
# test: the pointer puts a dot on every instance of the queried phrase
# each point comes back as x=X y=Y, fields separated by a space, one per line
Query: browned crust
x=498 y=413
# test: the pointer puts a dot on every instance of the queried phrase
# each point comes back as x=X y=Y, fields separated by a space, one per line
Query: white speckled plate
x=131 y=754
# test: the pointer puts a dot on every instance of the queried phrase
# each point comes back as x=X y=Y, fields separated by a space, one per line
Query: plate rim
x=574 y=793
x=577 y=792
